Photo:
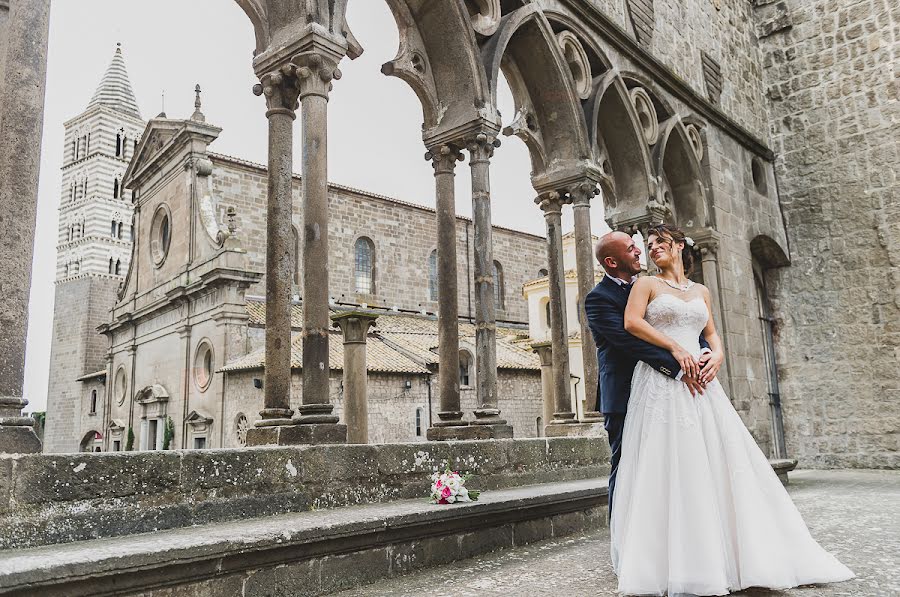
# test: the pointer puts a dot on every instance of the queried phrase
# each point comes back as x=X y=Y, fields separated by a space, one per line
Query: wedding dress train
x=697 y=507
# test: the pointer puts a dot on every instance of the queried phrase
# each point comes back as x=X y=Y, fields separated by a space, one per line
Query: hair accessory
x=689 y=241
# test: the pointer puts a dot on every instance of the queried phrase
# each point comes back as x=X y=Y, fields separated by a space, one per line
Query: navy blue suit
x=618 y=352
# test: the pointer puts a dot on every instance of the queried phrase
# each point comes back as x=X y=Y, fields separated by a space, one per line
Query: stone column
x=355 y=327
x=551 y=204
x=281 y=91
x=544 y=351
x=315 y=72
x=306 y=78
x=444 y=158
x=481 y=149
x=21 y=125
x=708 y=246
x=584 y=258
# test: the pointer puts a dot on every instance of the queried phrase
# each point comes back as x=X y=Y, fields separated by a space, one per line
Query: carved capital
x=308 y=73
x=582 y=192
x=481 y=147
x=551 y=203
x=354 y=325
x=443 y=158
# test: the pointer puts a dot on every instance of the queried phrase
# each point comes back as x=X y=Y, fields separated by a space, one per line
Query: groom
x=618 y=351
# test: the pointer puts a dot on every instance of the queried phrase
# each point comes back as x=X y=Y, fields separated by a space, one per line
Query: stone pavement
x=854 y=514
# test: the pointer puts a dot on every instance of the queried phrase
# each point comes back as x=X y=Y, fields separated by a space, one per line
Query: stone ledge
x=782 y=466
x=322 y=549
x=48 y=499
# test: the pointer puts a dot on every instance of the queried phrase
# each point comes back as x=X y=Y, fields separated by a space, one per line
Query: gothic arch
x=620 y=147
x=768 y=252
x=549 y=116
x=438 y=58
x=680 y=178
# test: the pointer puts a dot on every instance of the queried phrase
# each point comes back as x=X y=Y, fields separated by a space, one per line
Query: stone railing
x=51 y=499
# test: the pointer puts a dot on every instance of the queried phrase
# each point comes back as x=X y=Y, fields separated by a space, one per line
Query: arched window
x=93 y=402
x=124 y=146
x=87 y=148
x=78 y=148
x=111 y=265
x=112 y=229
x=116 y=188
x=543 y=273
x=539 y=423
x=74 y=149
x=364 y=270
x=498 y=286
x=433 y=276
x=118 y=145
x=119 y=231
x=418 y=422
x=118 y=267
x=547 y=313
x=465 y=369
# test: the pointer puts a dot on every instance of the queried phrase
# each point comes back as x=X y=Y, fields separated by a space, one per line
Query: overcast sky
x=375 y=140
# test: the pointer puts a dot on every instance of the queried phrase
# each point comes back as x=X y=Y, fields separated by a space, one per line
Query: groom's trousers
x=615 y=425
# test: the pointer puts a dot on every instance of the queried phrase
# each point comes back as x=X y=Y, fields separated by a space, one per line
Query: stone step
x=306 y=553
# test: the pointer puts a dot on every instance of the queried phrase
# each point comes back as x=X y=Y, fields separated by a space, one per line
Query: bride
x=697 y=507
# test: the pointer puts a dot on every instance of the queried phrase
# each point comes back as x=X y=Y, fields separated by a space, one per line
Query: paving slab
x=854 y=514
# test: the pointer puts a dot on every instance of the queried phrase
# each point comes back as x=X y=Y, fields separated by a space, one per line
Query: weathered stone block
x=18 y=439
x=362 y=567
x=473 y=544
x=531 y=531
x=297 y=435
x=291 y=580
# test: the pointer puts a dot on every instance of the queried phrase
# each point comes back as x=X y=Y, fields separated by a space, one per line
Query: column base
x=316 y=414
x=297 y=435
x=592 y=416
x=575 y=429
x=16 y=431
x=443 y=434
x=488 y=416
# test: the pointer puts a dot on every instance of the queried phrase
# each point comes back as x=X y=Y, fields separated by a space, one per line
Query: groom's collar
x=621 y=282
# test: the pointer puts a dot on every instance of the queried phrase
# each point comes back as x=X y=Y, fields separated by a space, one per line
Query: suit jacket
x=618 y=351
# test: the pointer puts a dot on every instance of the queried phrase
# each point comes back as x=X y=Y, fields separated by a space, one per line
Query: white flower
x=689 y=241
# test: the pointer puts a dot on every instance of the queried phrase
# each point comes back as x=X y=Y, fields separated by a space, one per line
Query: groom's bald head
x=619 y=255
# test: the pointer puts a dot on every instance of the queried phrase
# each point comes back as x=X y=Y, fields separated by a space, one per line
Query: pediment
x=156 y=138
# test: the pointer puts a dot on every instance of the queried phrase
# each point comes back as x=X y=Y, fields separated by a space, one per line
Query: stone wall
x=830 y=68
x=403 y=234
x=48 y=499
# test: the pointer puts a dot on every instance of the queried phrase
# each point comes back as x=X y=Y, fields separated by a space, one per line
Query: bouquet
x=450 y=487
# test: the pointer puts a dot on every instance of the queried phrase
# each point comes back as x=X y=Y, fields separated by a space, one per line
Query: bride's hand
x=711 y=363
x=689 y=365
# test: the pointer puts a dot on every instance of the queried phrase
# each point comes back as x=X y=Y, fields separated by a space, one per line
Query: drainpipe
x=428 y=383
x=468 y=278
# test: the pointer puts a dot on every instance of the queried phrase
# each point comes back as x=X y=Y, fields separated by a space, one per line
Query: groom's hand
x=693 y=384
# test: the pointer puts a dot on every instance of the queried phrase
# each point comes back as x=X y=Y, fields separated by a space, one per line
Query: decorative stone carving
x=712 y=74
x=696 y=140
x=579 y=65
x=642 y=19
x=646 y=113
x=485 y=16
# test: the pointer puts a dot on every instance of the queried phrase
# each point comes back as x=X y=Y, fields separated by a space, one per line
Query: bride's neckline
x=671 y=284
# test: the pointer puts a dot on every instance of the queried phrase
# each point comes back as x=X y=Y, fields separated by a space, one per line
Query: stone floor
x=854 y=514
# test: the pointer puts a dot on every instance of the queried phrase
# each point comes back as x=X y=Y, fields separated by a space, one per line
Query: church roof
x=115 y=90
x=399 y=343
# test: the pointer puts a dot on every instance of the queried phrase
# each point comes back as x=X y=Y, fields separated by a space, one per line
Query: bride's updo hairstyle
x=671 y=233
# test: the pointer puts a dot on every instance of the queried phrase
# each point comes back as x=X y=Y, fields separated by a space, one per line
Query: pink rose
x=445 y=492
x=439 y=483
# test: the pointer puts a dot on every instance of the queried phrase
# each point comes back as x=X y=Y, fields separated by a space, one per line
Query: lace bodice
x=681 y=320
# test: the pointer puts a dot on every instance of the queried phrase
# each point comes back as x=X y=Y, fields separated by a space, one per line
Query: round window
x=203 y=365
x=160 y=234
x=241 y=427
x=120 y=385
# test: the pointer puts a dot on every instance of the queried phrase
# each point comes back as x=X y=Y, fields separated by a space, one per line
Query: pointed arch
x=679 y=172
x=448 y=78
x=620 y=148
x=527 y=50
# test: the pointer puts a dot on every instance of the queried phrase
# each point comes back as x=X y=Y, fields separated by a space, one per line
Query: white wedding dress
x=697 y=508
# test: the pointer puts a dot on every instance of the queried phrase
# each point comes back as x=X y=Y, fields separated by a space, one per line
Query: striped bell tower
x=93 y=253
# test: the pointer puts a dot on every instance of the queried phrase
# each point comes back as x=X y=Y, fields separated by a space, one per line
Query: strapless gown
x=697 y=508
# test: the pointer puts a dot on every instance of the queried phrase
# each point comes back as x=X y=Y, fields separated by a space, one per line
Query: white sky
x=375 y=140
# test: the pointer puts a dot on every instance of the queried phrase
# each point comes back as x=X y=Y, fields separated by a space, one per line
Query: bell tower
x=93 y=254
